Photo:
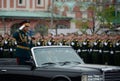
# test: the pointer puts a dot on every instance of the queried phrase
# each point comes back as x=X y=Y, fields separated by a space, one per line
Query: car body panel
x=50 y=67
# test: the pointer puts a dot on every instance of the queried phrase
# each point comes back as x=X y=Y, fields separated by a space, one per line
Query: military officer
x=97 y=51
x=14 y=44
x=6 y=45
x=51 y=42
x=105 y=49
x=62 y=40
x=75 y=44
x=79 y=50
x=117 y=52
x=84 y=54
x=40 y=42
x=1 y=46
x=111 y=53
x=11 y=47
x=22 y=49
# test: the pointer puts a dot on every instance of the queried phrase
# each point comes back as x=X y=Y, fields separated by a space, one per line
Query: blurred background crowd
x=96 y=48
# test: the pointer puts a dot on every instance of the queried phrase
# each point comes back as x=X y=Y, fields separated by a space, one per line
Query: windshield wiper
x=69 y=62
x=65 y=63
x=49 y=63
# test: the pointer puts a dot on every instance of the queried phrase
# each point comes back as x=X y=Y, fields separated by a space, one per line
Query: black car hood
x=100 y=67
x=87 y=68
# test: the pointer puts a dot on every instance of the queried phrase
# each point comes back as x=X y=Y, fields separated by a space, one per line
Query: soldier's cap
x=23 y=24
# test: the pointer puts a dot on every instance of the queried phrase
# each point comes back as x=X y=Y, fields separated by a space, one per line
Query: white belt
x=84 y=50
x=96 y=50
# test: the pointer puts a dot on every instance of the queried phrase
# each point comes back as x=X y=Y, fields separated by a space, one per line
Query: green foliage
x=84 y=27
x=107 y=15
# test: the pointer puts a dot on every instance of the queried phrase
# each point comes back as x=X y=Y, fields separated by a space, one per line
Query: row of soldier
x=99 y=49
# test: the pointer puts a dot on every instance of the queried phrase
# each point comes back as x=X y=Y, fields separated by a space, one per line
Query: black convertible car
x=56 y=63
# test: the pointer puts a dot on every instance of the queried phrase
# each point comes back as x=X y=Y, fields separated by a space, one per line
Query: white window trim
x=23 y=4
x=40 y=5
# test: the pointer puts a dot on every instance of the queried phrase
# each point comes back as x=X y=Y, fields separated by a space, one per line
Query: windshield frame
x=46 y=47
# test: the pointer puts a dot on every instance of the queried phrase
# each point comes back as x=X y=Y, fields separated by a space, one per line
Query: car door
x=0 y=71
x=16 y=73
x=42 y=74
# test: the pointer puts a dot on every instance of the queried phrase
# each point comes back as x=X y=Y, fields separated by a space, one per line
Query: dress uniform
x=51 y=42
x=40 y=42
x=111 y=60
x=6 y=45
x=23 y=48
x=14 y=45
x=75 y=44
x=1 y=46
x=85 y=50
x=60 y=42
x=105 y=49
x=11 y=48
x=79 y=50
x=64 y=42
x=117 y=52
x=89 y=51
x=97 y=52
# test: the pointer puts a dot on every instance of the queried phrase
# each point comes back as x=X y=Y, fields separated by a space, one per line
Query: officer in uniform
x=1 y=46
x=14 y=45
x=84 y=53
x=97 y=52
x=111 y=53
x=6 y=45
x=40 y=41
x=105 y=49
x=60 y=41
x=76 y=45
x=79 y=50
x=11 y=47
x=51 y=42
x=64 y=41
x=23 y=48
x=117 y=52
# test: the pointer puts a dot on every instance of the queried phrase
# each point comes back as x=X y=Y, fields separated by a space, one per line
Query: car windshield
x=54 y=55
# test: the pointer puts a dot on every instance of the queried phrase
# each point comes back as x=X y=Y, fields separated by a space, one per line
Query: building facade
x=37 y=11
x=55 y=15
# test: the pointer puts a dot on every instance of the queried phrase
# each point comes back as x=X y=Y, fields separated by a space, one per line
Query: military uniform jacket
x=22 y=49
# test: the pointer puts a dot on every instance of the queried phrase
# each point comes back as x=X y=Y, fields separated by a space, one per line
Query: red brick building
x=41 y=17
x=37 y=11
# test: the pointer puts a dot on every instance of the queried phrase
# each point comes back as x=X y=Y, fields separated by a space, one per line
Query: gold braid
x=22 y=39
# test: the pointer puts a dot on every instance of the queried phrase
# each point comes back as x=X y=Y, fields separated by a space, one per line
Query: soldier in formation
x=97 y=49
x=1 y=46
